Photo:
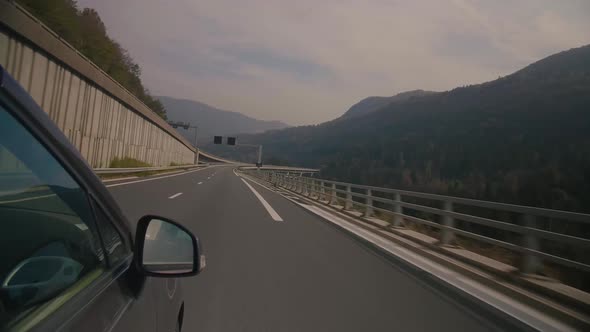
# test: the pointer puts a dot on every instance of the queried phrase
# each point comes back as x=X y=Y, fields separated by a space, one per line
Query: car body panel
x=116 y=298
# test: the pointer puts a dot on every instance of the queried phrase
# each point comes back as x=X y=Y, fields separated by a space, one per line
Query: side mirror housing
x=164 y=248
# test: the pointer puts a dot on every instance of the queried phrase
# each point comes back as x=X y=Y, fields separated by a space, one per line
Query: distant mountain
x=523 y=138
x=372 y=104
x=213 y=121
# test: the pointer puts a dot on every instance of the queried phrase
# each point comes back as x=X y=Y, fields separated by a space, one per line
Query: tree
x=84 y=30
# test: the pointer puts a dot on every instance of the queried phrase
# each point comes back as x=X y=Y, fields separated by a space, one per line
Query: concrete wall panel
x=102 y=119
x=26 y=68
x=4 y=40
x=40 y=64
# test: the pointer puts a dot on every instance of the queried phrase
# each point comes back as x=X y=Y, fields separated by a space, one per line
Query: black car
x=68 y=258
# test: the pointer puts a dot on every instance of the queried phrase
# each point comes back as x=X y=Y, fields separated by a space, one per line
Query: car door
x=60 y=268
x=132 y=289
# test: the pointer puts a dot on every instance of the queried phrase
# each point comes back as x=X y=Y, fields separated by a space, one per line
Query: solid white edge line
x=161 y=177
x=174 y=196
x=26 y=199
x=526 y=314
x=521 y=312
x=273 y=214
x=119 y=179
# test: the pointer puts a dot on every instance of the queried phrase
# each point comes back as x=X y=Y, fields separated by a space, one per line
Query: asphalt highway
x=272 y=266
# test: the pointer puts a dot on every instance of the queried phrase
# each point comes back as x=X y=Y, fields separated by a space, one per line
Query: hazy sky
x=307 y=61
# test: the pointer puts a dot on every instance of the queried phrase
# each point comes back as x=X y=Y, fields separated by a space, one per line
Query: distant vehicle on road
x=68 y=258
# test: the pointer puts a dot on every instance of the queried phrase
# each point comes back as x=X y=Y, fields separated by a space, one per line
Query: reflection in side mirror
x=167 y=249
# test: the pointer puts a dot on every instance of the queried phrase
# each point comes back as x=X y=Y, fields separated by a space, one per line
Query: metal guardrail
x=534 y=244
x=141 y=169
x=284 y=169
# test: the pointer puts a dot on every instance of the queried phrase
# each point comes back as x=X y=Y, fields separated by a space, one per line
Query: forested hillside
x=213 y=121
x=371 y=104
x=84 y=30
x=523 y=138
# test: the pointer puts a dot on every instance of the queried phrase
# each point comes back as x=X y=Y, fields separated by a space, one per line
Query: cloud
x=260 y=57
x=307 y=61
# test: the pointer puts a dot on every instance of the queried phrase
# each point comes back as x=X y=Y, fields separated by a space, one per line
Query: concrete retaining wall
x=101 y=118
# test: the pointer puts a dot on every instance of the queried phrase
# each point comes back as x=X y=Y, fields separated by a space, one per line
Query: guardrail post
x=299 y=185
x=348 y=203
x=447 y=235
x=530 y=263
x=322 y=195
x=398 y=210
x=334 y=199
x=318 y=190
x=369 y=204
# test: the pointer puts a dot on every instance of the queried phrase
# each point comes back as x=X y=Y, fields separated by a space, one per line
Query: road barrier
x=539 y=236
x=101 y=118
x=125 y=170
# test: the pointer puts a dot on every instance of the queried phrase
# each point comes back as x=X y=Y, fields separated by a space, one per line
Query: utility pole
x=259 y=146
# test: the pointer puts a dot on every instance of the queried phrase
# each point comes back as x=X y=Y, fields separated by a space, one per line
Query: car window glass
x=114 y=246
x=48 y=242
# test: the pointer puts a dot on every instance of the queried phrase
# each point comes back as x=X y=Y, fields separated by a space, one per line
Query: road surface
x=298 y=274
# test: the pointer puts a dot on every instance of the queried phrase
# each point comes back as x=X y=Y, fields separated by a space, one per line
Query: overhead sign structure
x=233 y=141
x=179 y=124
x=186 y=126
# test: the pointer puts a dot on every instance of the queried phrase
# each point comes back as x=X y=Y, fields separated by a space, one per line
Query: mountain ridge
x=213 y=121
x=523 y=138
x=374 y=103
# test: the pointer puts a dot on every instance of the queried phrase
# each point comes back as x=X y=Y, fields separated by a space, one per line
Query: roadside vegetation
x=127 y=163
x=83 y=29
x=172 y=164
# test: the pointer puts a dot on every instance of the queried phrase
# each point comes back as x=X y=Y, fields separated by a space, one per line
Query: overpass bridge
x=290 y=252
x=208 y=157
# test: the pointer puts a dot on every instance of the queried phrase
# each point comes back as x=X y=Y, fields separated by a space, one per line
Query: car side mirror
x=165 y=248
